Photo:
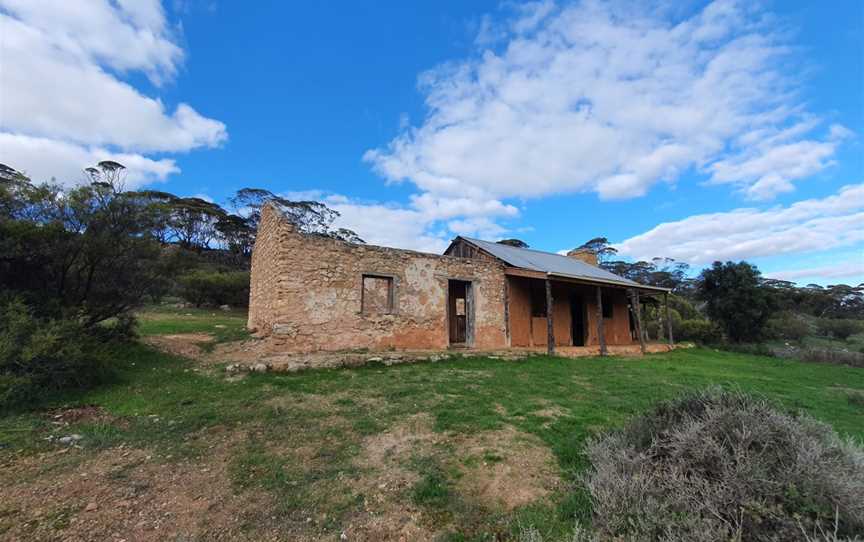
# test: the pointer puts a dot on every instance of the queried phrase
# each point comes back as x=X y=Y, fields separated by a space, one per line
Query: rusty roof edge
x=547 y=262
x=634 y=285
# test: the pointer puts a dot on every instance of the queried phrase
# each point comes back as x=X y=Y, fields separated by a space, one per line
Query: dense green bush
x=787 y=326
x=719 y=465
x=839 y=328
x=215 y=288
x=735 y=298
x=699 y=331
x=39 y=355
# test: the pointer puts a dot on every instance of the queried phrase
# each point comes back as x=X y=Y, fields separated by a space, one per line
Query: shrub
x=700 y=331
x=735 y=298
x=839 y=329
x=215 y=288
x=719 y=465
x=44 y=355
x=787 y=326
x=757 y=349
x=830 y=355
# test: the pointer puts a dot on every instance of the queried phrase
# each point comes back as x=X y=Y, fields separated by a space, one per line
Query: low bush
x=787 y=326
x=215 y=288
x=48 y=355
x=699 y=331
x=720 y=465
x=827 y=355
x=757 y=349
x=837 y=328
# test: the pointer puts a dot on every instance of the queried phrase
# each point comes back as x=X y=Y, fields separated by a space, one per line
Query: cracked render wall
x=306 y=293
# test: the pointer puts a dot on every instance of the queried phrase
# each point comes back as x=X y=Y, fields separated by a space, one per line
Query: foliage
x=96 y=251
x=735 y=299
x=654 y=320
x=518 y=243
x=788 y=326
x=838 y=329
x=826 y=355
x=724 y=465
x=599 y=246
x=699 y=331
x=684 y=307
x=662 y=272
x=215 y=288
x=47 y=355
x=309 y=216
x=81 y=253
x=752 y=349
x=833 y=301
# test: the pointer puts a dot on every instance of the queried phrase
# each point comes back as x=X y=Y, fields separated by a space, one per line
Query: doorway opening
x=460 y=309
x=577 y=319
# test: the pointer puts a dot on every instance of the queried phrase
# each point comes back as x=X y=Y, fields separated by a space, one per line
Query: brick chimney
x=584 y=255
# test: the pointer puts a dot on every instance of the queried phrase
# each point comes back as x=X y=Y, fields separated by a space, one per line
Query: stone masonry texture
x=307 y=294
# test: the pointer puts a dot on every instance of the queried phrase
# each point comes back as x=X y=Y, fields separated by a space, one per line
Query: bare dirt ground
x=499 y=470
x=181 y=344
x=126 y=494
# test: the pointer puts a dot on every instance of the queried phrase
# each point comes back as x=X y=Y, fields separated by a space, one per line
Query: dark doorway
x=459 y=310
x=577 y=317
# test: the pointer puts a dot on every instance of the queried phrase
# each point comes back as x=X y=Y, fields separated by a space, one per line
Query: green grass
x=302 y=431
x=167 y=319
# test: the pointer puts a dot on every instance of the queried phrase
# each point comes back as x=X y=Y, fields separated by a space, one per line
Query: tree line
x=76 y=262
x=732 y=301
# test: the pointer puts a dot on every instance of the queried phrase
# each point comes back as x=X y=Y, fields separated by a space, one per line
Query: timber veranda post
x=637 y=311
x=550 y=328
x=601 y=330
x=668 y=320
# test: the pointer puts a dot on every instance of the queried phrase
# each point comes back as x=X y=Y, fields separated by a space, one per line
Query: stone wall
x=306 y=294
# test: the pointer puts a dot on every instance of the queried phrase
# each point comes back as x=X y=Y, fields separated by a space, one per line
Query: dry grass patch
x=400 y=471
x=384 y=480
x=506 y=468
x=124 y=493
x=187 y=345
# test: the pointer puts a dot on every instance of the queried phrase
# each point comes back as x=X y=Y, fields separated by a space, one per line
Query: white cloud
x=853 y=269
x=477 y=227
x=126 y=35
x=389 y=225
x=771 y=164
x=61 y=83
x=449 y=207
x=607 y=97
x=426 y=224
x=806 y=226
x=43 y=159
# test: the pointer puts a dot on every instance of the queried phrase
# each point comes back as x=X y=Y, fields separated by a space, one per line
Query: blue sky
x=695 y=130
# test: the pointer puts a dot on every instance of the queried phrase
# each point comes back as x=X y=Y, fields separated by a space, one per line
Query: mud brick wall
x=527 y=330
x=306 y=294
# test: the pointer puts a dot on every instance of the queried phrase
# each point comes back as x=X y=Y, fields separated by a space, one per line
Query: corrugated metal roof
x=554 y=264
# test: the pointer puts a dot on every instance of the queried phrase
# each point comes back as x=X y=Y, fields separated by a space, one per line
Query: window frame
x=391 y=293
